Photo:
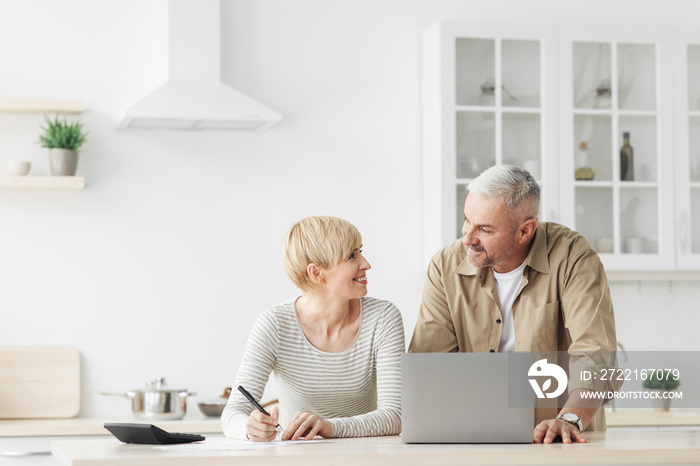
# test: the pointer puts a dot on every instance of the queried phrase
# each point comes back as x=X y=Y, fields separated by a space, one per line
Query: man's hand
x=305 y=426
x=547 y=431
x=261 y=428
x=585 y=408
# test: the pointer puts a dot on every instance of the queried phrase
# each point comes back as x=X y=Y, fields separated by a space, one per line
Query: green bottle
x=626 y=159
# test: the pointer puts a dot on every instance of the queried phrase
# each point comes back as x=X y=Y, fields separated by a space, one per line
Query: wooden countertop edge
x=653 y=418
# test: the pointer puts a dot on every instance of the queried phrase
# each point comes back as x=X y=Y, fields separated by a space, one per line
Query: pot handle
x=128 y=395
x=186 y=393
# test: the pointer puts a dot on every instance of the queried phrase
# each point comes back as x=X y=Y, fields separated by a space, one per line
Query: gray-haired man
x=512 y=283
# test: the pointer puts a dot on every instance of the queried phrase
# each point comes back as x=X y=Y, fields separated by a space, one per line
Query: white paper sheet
x=232 y=445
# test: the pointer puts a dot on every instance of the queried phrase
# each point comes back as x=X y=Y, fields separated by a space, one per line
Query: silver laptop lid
x=467 y=398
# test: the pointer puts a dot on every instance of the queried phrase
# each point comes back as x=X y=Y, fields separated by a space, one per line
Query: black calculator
x=149 y=434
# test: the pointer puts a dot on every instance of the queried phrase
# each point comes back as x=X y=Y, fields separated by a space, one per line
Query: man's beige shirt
x=563 y=303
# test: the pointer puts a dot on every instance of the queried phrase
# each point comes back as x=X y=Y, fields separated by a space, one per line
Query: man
x=514 y=284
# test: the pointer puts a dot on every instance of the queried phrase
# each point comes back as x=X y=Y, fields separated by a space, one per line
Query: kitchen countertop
x=211 y=425
x=628 y=446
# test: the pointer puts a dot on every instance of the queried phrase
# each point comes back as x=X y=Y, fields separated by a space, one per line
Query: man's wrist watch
x=573 y=419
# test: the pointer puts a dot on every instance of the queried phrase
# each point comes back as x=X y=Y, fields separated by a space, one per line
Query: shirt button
x=492 y=351
x=498 y=321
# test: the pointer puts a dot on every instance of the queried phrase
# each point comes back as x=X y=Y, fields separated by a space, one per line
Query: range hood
x=193 y=97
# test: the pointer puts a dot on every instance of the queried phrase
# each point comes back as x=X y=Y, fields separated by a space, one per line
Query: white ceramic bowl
x=18 y=168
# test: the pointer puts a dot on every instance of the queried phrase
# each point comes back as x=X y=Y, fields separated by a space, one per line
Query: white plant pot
x=661 y=404
x=63 y=162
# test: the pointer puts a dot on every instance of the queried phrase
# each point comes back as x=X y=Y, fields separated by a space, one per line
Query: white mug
x=18 y=168
x=635 y=245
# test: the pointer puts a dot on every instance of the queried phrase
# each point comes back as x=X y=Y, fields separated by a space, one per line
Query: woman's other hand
x=305 y=426
x=262 y=428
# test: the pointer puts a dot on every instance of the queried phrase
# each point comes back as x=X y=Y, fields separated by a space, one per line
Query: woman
x=335 y=353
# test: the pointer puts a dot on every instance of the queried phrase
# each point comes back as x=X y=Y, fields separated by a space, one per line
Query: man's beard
x=487 y=260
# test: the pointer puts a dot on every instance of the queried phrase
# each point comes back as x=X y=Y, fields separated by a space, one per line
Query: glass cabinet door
x=488 y=97
x=495 y=96
x=687 y=132
x=616 y=149
x=497 y=107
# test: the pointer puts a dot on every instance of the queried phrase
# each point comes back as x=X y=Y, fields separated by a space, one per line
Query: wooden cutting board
x=39 y=382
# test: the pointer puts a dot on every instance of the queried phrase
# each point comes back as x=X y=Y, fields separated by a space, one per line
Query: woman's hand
x=306 y=426
x=261 y=428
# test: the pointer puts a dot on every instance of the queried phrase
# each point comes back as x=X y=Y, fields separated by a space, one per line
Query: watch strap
x=577 y=423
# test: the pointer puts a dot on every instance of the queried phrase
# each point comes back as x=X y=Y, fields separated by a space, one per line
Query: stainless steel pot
x=157 y=401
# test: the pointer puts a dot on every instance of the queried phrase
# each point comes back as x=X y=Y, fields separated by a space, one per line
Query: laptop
x=467 y=398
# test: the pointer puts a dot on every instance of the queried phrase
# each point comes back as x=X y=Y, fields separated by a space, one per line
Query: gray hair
x=515 y=186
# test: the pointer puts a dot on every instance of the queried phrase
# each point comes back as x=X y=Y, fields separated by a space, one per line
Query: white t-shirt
x=508 y=284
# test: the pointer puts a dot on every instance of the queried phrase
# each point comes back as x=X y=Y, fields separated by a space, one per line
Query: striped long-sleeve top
x=357 y=390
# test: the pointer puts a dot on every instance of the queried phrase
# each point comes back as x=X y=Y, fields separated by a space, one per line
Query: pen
x=255 y=403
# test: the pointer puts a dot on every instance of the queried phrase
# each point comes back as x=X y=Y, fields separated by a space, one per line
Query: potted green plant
x=63 y=140
x=661 y=381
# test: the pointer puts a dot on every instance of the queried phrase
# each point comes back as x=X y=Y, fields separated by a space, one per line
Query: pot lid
x=158 y=385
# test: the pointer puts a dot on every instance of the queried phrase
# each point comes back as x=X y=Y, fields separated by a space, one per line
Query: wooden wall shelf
x=42 y=183
x=39 y=106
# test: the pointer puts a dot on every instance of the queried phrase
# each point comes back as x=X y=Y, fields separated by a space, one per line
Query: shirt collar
x=465 y=268
x=537 y=258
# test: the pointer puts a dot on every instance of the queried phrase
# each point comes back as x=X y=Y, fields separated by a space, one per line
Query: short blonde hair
x=324 y=241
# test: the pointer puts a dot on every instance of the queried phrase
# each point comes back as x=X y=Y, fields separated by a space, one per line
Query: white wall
x=161 y=264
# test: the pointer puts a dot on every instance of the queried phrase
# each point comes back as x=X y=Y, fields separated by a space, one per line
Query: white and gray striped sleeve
x=386 y=419
x=254 y=371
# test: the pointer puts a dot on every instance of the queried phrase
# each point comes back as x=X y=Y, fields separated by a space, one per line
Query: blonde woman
x=334 y=351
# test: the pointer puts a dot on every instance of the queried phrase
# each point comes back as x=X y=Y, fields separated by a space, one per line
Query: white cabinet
x=531 y=96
